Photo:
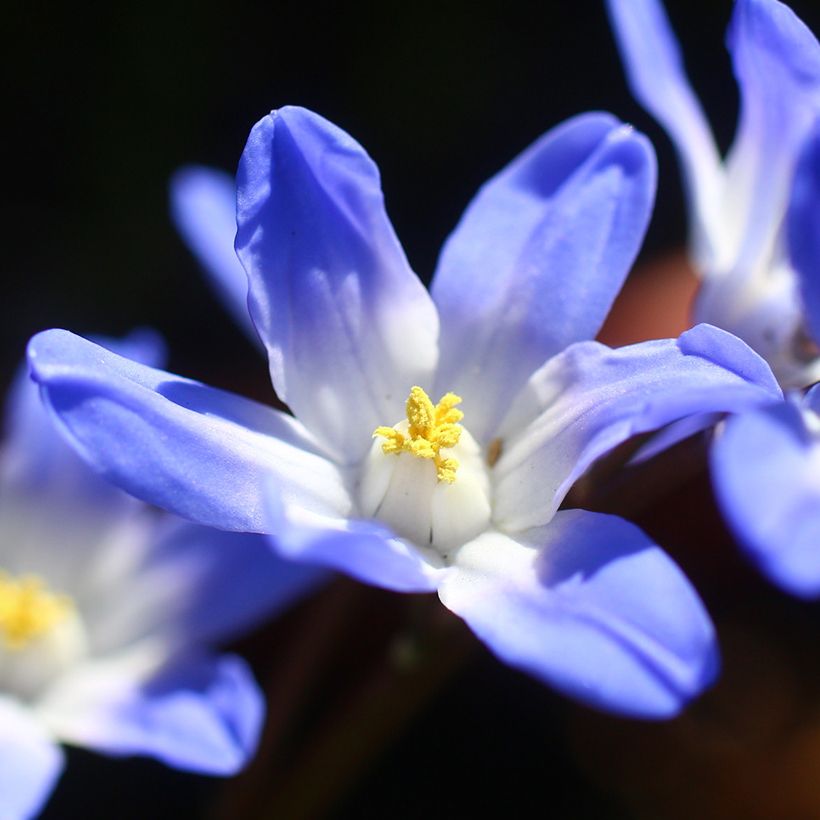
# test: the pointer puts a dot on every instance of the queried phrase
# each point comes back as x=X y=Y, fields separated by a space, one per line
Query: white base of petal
x=403 y=491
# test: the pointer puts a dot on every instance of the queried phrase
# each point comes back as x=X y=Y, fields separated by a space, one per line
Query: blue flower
x=766 y=463
x=737 y=206
x=756 y=241
x=458 y=493
x=107 y=610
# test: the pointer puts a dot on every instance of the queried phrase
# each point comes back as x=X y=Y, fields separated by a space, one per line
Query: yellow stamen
x=431 y=428
x=28 y=610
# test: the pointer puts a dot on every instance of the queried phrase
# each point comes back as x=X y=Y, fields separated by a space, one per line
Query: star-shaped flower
x=435 y=435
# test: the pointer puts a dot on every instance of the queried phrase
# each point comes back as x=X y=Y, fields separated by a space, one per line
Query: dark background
x=103 y=103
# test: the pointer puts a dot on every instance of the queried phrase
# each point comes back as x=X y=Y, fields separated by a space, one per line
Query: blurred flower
x=756 y=238
x=766 y=463
x=766 y=468
x=372 y=477
x=737 y=207
x=106 y=612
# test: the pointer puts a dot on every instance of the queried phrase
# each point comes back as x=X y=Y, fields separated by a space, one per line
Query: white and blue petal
x=348 y=326
x=30 y=762
x=803 y=230
x=590 y=398
x=364 y=549
x=198 y=713
x=591 y=606
x=766 y=475
x=200 y=585
x=538 y=257
x=750 y=287
x=776 y=60
x=203 y=206
x=196 y=451
x=654 y=67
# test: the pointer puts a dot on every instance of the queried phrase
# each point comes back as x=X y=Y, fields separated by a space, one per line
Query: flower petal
x=30 y=762
x=657 y=78
x=202 y=714
x=201 y=585
x=591 y=606
x=803 y=227
x=348 y=327
x=202 y=453
x=777 y=63
x=538 y=258
x=203 y=207
x=589 y=399
x=363 y=549
x=36 y=460
x=766 y=474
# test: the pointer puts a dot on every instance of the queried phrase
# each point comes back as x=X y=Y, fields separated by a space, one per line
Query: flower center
x=41 y=634
x=429 y=429
x=28 y=610
x=426 y=476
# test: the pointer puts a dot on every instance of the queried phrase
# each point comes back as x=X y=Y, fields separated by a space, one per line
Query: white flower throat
x=426 y=476
x=41 y=634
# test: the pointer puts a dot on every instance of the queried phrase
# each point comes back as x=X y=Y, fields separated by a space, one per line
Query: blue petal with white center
x=592 y=606
x=331 y=291
x=376 y=478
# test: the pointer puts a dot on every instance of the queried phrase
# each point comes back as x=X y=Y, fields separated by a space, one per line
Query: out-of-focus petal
x=803 y=226
x=777 y=64
x=202 y=453
x=538 y=258
x=589 y=399
x=200 y=585
x=348 y=326
x=203 y=206
x=766 y=474
x=30 y=762
x=363 y=549
x=201 y=713
x=591 y=606
x=654 y=67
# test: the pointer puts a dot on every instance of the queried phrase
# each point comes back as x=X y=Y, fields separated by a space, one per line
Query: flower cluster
x=756 y=245
x=108 y=608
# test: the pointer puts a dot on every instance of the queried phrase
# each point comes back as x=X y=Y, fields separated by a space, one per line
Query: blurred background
x=381 y=705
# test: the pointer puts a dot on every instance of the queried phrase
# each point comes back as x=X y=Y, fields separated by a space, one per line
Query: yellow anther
x=394 y=442
x=28 y=610
x=430 y=428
